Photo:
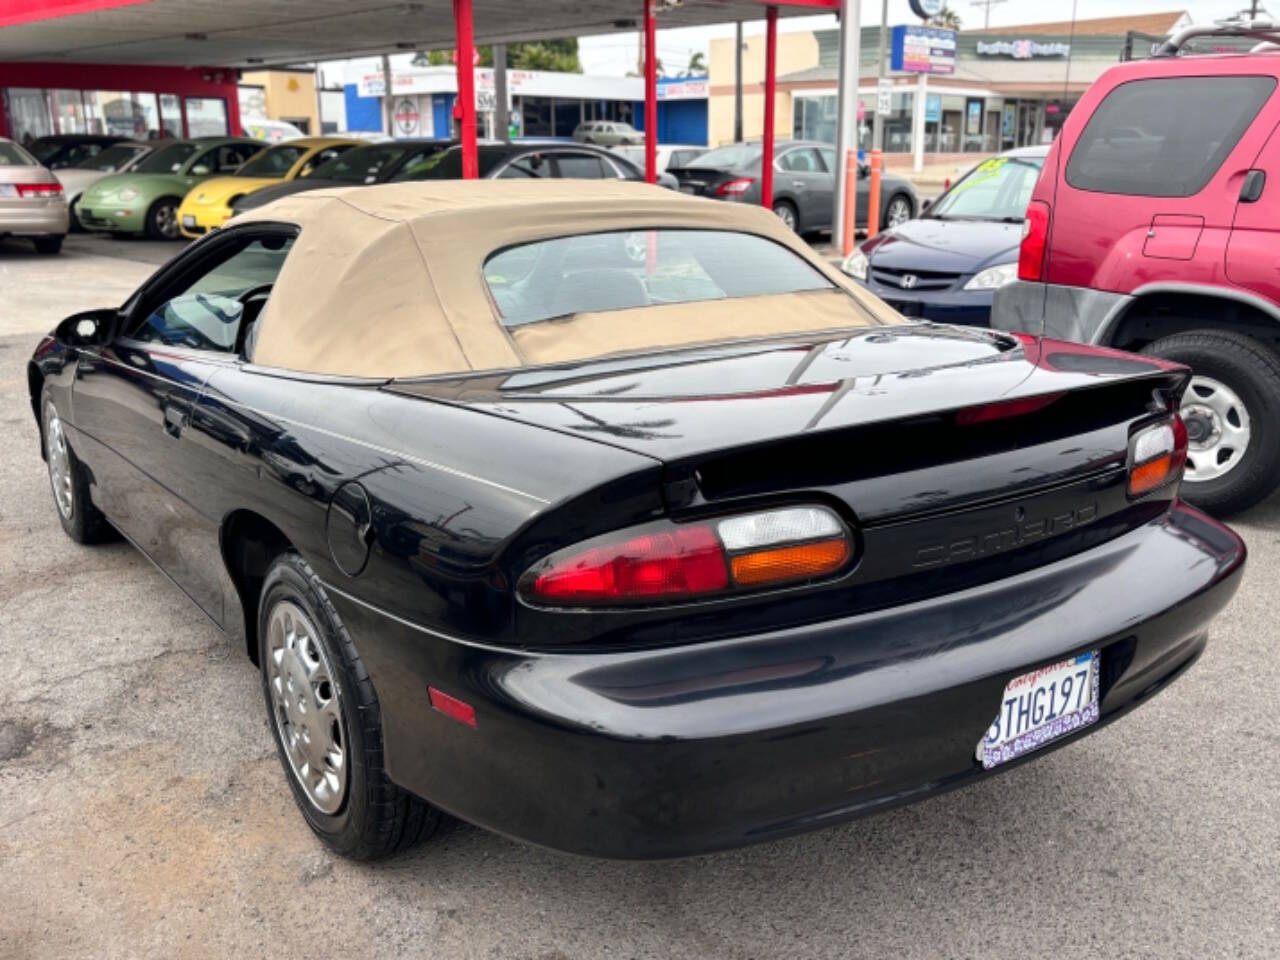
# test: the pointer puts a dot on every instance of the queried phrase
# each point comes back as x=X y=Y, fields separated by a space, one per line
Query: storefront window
x=170 y=115
x=897 y=124
x=206 y=117
x=28 y=112
x=147 y=112
x=113 y=113
x=814 y=118
x=68 y=111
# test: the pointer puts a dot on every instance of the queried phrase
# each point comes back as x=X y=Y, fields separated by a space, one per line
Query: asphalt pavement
x=144 y=812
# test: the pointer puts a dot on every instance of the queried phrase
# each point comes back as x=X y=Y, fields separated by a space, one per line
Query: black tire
x=48 y=245
x=884 y=217
x=83 y=522
x=376 y=817
x=162 y=219
x=1252 y=371
x=75 y=225
x=784 y=209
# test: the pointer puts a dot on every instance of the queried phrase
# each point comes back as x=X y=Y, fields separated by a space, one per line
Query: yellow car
x=209 y=204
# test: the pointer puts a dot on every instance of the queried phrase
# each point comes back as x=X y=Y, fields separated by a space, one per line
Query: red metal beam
x=465 y=40
x=650 y=95
x=770 y=95
x=811 y=4
x=14 y=12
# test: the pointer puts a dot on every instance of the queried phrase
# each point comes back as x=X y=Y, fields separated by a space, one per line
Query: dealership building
x=541 y=103
x=1008 y=86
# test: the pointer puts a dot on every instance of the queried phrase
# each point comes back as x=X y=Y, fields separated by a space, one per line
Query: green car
x=146 y=199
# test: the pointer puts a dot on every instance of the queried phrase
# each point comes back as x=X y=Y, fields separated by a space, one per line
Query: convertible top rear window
x=620 y=270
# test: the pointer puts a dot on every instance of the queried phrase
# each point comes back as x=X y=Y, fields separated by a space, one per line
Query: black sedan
x=359 y=166
x=532 y=160
x=626 y=556
x=804 y=184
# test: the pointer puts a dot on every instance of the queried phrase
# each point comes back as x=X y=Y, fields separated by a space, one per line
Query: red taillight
x=735 y=187
x=683 y=561
x=1157 y=456
x=1035 y=238
x=666 y=561
x=38 y=189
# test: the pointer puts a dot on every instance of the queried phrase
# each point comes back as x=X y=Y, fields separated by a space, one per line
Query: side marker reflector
x=452 y=707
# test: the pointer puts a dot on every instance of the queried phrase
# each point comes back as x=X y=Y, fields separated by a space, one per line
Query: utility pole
x=388 y=107
x=877 y=129
x=847 y=127
x=988 y=4
x=737 y=83
x=501 y=122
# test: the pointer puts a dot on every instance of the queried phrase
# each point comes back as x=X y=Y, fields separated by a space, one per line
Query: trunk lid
x=873 y=418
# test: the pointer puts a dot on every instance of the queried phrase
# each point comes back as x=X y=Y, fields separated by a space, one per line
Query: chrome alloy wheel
x=306 y=705
x=1218 y=429
x=786 y=215
x=59 y=458
x=899 y=212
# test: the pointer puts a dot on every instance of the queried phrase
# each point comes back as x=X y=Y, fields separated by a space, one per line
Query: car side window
x=800 y=160
x=323 y=156
x=581 y=166
x=205 y=162
x=828 y=159
x=529 y=165
x=234 y=154
x=214 y=311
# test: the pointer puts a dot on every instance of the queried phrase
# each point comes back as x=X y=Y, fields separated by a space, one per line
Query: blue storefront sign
x=933 y=108
x=918 y=49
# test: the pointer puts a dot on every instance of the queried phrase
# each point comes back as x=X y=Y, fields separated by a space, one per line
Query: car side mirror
x=926 y=204
x=89 y=329
x=200 y=170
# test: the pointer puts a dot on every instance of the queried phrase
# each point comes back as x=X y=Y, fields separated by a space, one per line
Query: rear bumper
x=35 y=218
x=1081 y=314
x=967 y=307
x=662 y=753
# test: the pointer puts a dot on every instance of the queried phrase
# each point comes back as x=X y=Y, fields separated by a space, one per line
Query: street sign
x=406 y=116
x=884 y=97
x=919 y=49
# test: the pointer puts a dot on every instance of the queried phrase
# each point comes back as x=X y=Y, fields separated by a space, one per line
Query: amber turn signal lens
x=789 y=563
x=1150 y=475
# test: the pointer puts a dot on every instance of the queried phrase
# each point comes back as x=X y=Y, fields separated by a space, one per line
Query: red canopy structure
x=253 y=35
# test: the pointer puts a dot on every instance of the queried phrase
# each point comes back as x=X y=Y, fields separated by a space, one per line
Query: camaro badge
x=1021 y=531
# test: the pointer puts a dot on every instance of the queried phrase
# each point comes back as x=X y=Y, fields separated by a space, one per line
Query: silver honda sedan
x=32 y=203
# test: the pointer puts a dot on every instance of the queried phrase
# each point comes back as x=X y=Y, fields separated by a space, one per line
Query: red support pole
x=650 y=95
x=770 y=95
x=465 y=39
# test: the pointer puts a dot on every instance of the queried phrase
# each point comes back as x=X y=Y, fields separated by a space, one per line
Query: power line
x=986 y=13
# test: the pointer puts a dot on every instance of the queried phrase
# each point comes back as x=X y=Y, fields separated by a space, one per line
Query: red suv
x=1155 y=226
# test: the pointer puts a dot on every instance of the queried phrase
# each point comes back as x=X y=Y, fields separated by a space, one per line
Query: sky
x=615 y=54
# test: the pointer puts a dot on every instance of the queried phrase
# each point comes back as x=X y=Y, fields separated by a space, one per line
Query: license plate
x=8 y=190
x=188 y=221
x=1039 y=707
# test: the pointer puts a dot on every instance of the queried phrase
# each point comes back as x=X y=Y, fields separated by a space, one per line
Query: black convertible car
x=632 y=542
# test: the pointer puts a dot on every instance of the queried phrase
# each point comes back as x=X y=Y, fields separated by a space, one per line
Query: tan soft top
x=387 y=281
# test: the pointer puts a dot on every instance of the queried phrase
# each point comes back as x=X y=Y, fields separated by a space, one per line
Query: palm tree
x=946 y=18
x=697 y=65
